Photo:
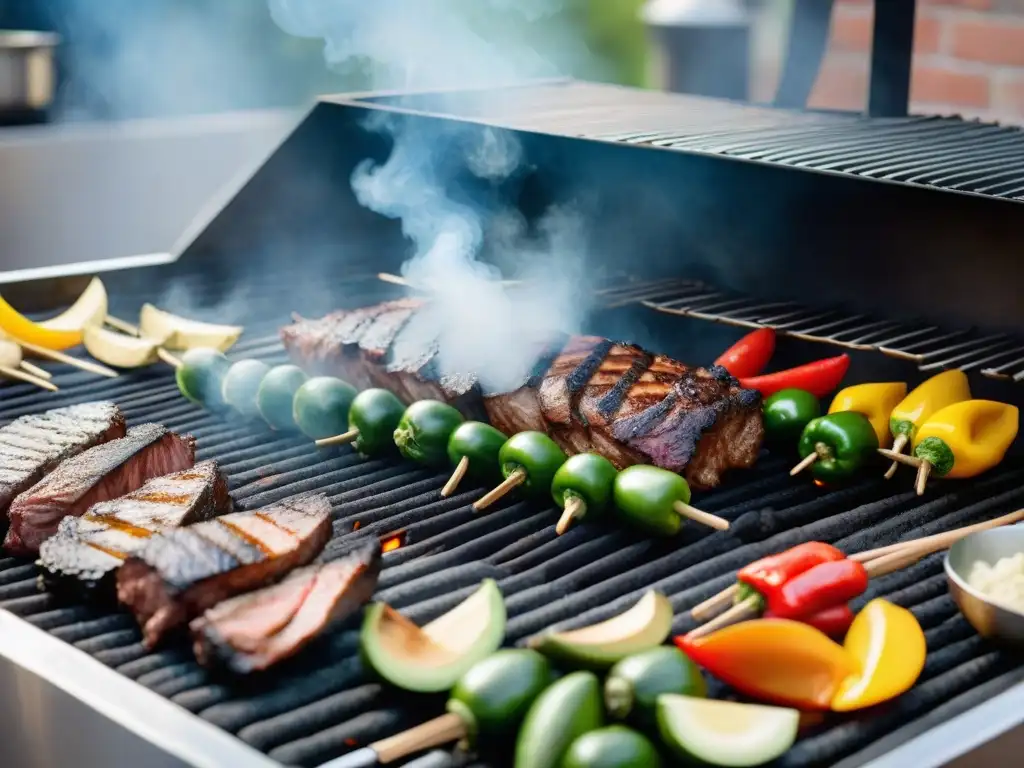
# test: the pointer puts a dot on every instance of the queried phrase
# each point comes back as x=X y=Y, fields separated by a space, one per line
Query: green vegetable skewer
x=529 y=459
x=473 y=448
x=373 y=418
x=582 y=486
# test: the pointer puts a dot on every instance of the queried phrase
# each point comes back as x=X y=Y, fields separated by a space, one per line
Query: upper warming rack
x=946 y=152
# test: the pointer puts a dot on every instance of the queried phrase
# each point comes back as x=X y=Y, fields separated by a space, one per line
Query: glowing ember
x=392 y=543
x=819 y=484
x=355 y=525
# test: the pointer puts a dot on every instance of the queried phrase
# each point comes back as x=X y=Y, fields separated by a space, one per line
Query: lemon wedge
x=119 y=350
x=181 y=333
x=89 y=309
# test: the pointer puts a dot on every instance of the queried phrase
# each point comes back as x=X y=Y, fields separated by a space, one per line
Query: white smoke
x=443 y=182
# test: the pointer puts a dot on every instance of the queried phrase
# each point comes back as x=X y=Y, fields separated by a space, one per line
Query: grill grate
x=323 y=704
x=998 y=356
x=946 y=152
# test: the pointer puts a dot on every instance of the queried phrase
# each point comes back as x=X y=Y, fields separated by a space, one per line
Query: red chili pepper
x=749 y=355
x=834 y=621
x=769 y=573
x=818 y=378
x=823 y=586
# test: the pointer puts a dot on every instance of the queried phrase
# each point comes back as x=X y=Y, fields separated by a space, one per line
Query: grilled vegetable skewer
x=583 y=485
x=473 y=449
x=529 y=459
x=372 y=418
x=936 y=393
x=321 y=406
x=961 y=440
x=423 y=432
x=655 y=500
x=788 y=412
x=875 y=401
x=836 y=446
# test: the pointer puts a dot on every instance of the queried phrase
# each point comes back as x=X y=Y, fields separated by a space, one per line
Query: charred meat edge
x=232 y=563
x=254 y=631
x=103 y=472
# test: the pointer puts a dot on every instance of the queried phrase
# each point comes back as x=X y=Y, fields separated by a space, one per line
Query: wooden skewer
x=441 y=730
x=387 y=277
x=742 y=611
x=575 y=508
x=14 y=373
x=168 y=358
x=122 y=325
x=60 y=357
x=35 y=370
x=704 y=518
x=902 y=458
x=804 y=464
x=453 y=482
x=922 y=476
x=937 y=541
x=897 y=447
x=511 y=482
x=343 y=439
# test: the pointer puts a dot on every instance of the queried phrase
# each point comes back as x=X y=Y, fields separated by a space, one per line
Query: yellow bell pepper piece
x=875 y=401
x=20 y=328
x=934 y=394
x=967 y=438
x=888 y=643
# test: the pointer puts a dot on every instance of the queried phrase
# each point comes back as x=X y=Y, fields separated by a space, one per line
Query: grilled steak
x=254 y=631
x=30 y=447
x=85 y=551
x=103 y=472
x=587 y=393
x=182 y=572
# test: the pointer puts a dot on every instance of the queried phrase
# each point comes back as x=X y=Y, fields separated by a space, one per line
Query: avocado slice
x=725 y=733
x=643 y=626
x=566 y=710
x=432 y=658
x=614 y=746
x=633 y=685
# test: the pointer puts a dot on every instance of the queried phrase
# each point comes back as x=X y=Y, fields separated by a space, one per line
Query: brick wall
x=968 y=58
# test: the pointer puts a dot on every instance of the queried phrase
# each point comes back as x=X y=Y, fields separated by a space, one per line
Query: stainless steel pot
x=27 y=70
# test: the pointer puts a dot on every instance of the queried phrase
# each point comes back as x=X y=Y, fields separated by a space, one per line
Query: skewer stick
x=168 y=358
x=343 y=439
x=433 y=733
x=804 y=464
x=453 y=482
x=387 y=277
x=575 y=508
x=897 y=447
x=13 y=373
x=514 y=480
x=902 y=458
x=922 y=476
x=935 y=543
x=704 y=518
x=35 y=370
x=60 y=357
x=737 y=613
x=122 y=325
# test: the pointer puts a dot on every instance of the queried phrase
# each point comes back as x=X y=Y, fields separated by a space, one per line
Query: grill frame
x=218 y=227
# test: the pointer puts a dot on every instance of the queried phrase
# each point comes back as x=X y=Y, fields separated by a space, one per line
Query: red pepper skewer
x=749 y=355
x=819 y=378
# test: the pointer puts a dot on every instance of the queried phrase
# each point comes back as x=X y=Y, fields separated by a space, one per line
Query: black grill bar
x=997 y=356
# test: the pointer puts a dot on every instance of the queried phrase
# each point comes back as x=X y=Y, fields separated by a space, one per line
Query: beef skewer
x=586 y=393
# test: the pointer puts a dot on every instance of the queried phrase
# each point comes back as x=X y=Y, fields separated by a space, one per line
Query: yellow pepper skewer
x=875 y=401
x=962 y=440
x=916 y=408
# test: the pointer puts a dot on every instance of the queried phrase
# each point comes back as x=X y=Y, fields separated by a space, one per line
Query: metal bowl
x=990 y=619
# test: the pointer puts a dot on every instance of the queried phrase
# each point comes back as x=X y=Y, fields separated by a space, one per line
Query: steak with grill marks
x=85 y=551
x=254 y=631
x=103 y=472
x=588 y=394
x=32 y=446
x=182 y=572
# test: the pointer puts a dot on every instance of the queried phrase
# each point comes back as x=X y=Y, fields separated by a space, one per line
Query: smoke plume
x=447 y=183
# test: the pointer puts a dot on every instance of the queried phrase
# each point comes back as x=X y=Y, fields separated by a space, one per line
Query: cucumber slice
x=615 y=746
x=725 y=733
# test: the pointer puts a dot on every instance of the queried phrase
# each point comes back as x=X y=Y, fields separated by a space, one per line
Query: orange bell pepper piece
x=775 y=660
x=890 y=646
